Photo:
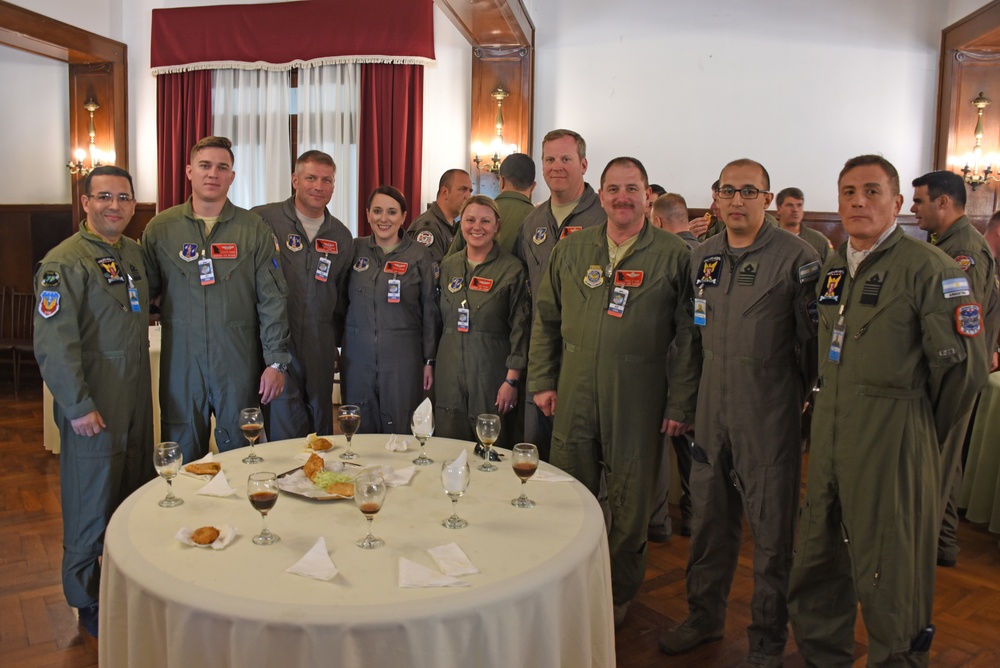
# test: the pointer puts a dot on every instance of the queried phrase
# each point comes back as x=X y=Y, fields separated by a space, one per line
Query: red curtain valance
x=292 y=34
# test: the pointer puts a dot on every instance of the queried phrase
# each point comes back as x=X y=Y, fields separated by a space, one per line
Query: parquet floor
x=38 y=629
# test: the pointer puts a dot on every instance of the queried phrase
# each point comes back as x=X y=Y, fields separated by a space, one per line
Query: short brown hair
x=318 y=157
x=213 y=142
x=878 y=161
x=581 y=145
x=671 y=206
x=625 y=161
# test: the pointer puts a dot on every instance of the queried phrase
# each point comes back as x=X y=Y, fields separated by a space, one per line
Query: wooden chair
x=22 y=332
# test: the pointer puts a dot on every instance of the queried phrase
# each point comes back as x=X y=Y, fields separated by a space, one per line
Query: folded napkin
x=304 y=456
x=204 y=460
x=397 y=444
x=226 y=535
x=412 y=574
x=452 y=560
x=218 y=486
x=423 y=418
x=316 y=563
x=549 y=476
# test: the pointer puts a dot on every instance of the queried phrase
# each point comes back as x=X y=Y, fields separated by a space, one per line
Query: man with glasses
x=92 y=346
x=754 y=288
x=225 y=329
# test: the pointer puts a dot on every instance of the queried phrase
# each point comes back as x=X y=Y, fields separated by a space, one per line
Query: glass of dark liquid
x=252 y=425
x=524 y=461
x=262 y=490
x=349 y=419
x=369 y=494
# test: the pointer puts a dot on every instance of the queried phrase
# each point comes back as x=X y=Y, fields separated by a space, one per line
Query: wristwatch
x=513 y=382
x=279 y=367
x=430 y=361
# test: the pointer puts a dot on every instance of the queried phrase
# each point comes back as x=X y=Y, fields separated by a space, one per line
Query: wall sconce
x=971 y=161
x=496 y=147
x=97 y=158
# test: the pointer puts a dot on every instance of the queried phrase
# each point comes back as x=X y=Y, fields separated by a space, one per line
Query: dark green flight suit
x=472 y=365
x=759 y=361
x=433 y=229
x=93 y=352
x=316 y=308
x=910 y=364
x=613 y=381
x=539 y=234
x=817 y=240
x=969 y=249
x=385 y=343
x=217 y=338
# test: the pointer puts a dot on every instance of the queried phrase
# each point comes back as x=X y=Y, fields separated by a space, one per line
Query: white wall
x=686 y=87
x=35 y=135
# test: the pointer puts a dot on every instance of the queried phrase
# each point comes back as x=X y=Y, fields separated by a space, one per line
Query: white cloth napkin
x=204 y=460
x=397 y=444
x=226 y=535
x=217 y=486
x=424 y=416
x=463 y=456
x=412 y=574
x=398 y=478
x=548 y=476
x=452 y=560
x=316 y=563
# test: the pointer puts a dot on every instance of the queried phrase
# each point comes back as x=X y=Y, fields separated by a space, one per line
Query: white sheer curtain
x=329 y=121
x=251 y=108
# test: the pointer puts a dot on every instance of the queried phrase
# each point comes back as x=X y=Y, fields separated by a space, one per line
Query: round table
x=543 y=597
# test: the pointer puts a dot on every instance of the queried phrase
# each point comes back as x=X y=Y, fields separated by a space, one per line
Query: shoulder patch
x=426 y=237
x=969 y=319
x=50 y=279
x=955 y=287
x=966 y=262
x=48 y=303
x=809 y=272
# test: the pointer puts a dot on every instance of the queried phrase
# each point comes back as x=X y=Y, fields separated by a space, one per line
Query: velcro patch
x=955 y=287
x=969 y=319
x=809 y=272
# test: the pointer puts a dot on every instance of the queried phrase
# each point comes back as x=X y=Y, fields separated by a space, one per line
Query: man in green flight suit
x=215 y=268
x=613 y=300
x=435 y=228
x=939 y=206
x=791 y=212
x=900 y=361
x=92 y=346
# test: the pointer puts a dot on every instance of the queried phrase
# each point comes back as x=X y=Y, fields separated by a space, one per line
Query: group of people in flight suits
x=618 y=331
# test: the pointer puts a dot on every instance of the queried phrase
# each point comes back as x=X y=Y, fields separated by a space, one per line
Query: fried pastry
x=318 y=443
x=341 y=489
x=203 y=468
x=314 y=466
x=205 y=535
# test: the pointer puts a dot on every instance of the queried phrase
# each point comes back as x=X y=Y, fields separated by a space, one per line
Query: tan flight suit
x=759 y=362
x=910 y=364
x=386 y=343
x=613 y=381
x=472 y=365
x=316 y=308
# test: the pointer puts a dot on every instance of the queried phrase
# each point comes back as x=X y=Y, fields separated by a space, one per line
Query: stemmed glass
x=252 y=424
x=422 y=428
x=369 y=493
x=488 y=431
x=349 y=419
x=262 y=490
x=454 y=481
x=167 y=460
x=524 y=461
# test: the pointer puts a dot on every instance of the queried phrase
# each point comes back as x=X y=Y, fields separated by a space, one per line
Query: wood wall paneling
x=491 y=22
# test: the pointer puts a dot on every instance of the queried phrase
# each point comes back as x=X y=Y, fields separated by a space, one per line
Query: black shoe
x=685 y=526
x=946 y=562
x=88 y=619
x=657 y=535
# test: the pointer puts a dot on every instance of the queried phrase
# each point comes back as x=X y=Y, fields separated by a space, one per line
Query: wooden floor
x=37 y=628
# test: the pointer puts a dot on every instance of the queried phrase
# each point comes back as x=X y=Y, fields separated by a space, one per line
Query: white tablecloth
x=51 y=432
x=543 y=597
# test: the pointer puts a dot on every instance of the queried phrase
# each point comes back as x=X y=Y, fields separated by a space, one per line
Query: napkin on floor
x=204 y=460
x=226 y=535
x=316 y=563
x=452 y=560
x=218 y=486
x=412 y=574
x=397 y=444
x=549 y=476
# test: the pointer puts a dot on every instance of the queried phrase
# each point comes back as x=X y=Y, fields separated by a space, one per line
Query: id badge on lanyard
x=619 y=297
x=394 y=291
x=206 y=270
x=133 y=295
x=463 y=317
x=323 y=270
x=837 y=340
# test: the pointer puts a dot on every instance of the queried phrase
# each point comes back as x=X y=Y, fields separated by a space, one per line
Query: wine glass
x=369 y=493
x=252 y=425
x=454 y=481
x=488 y=431
x=262 y=490
x=349 y=419
x=524 y=461
x=422 y=428
x=167 y=459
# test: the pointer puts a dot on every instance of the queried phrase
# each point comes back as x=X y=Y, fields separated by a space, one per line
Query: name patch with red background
x=224 y=251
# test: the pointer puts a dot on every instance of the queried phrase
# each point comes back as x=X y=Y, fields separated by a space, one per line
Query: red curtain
x=391 y=142
x=183 y=116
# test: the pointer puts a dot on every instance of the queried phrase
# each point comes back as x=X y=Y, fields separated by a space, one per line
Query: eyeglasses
x=105 y=198
x=746 y=192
